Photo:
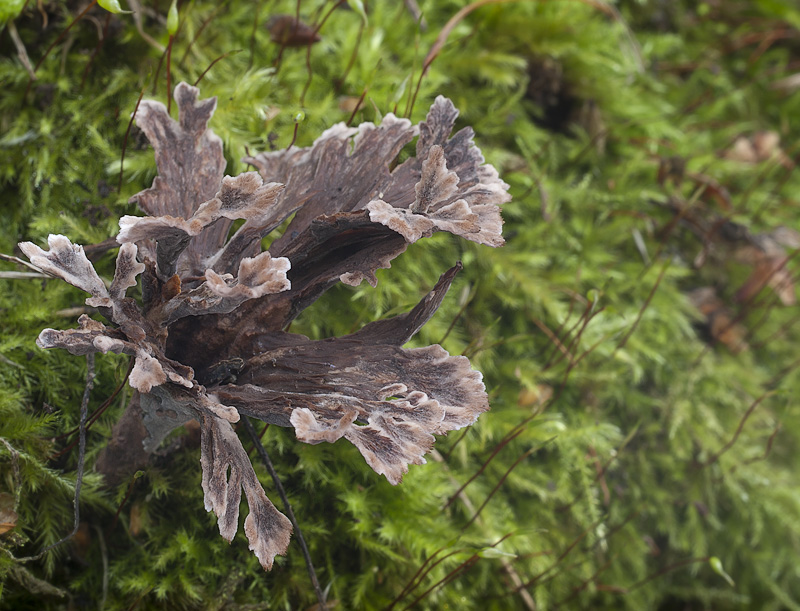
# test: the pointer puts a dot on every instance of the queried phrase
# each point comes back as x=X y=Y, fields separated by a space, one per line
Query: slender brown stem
x=340 y=81
x=644 y=307
x=199 y=31
x=420 y=575
x=584 y=583
x=357 y=108
x=294 y=136
x=22 y=53
x=211 y=65
x=715 y=457
x=457 y=441
x=262 y=452
x=551 y=336
x=127 y=133
x=308 y=48
x=64 y=33
x=583 y=320
x=98 y=412
x=454 y=573
x=436 y=48
x=488 y=498
x=97 y=48
x=563 y=555
x=503 y=443
x=664 y=571
x=768 y=448
x=158 y=71
x=125 y=499
x=169 y=73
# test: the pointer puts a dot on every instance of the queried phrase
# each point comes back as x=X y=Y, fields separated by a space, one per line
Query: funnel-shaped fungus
x=209 y=297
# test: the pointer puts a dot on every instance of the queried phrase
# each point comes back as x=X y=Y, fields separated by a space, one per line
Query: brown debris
x=8 y=514
x=768 y=255
x=287 y=31
x=722 y=323
x=757 y=148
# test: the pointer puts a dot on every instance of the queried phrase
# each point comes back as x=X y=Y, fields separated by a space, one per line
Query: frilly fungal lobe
x=209 y=296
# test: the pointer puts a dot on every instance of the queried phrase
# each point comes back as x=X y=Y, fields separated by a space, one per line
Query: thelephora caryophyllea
x=209 y=297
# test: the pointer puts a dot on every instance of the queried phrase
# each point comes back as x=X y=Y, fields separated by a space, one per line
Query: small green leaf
x=358 y=7
x=300 y=117
x=401 y=90
x=112 y=6
x=593 y=295
x=491 y=552
x=172 y=18
x=716 y=565
x=10 y=9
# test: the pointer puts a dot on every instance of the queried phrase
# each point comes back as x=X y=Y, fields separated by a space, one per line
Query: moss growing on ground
x=638 y=333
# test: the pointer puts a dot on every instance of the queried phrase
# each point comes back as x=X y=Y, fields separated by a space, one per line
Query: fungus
x=208 y=298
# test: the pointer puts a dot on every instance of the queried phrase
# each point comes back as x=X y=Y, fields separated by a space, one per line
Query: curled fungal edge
x=207 y=335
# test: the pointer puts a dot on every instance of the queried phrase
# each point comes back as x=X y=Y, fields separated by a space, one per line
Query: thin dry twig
x=526 y=597
x=646 y=303
x=22 y=53
x=262 y=452
x=503 y=443
x=469 y=562
x=18 y=275
x=211 y=65
x=136 y=8
x=55 y=42
x=13 y=259
x=125 y=144
x=488 y=498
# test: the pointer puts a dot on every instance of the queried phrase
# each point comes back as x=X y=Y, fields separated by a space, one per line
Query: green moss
x=626 y=478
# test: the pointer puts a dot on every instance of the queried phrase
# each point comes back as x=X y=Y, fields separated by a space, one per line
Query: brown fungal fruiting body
x=210 y=298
